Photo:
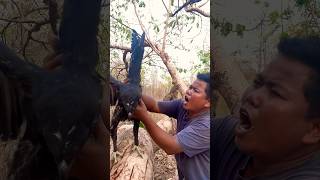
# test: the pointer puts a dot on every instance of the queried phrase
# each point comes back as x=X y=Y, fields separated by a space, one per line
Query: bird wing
x=137 y=48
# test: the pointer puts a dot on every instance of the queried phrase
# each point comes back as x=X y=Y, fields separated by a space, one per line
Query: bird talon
x=138 y=150
x=114 y=156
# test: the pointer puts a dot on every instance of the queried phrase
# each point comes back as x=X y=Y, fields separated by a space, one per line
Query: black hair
x=306 y=51
x=206 y=78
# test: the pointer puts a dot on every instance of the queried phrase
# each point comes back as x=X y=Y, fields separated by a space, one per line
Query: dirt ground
x=165 y=167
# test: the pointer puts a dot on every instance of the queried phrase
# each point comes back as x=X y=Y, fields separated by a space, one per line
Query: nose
x=254 y=97
x=188 y=92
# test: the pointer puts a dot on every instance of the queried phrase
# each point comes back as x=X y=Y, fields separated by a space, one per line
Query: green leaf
x=157 y=28
x=274 y=16
x=142 y=4
x=226 y=29
x=284 y=35
x=141 y=125
x=239 y=29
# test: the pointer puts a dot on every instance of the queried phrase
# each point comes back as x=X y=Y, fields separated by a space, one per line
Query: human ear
x=313 y=135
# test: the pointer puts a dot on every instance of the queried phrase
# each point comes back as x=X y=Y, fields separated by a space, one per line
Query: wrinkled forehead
x=199 y=84
x=287 y=72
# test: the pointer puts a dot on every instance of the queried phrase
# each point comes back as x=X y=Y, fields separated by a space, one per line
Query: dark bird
x=130 y=92
x=189 y=2
x=65 y=103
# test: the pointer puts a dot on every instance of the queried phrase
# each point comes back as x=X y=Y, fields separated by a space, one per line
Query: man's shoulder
x=227 y=122
x=308 y=170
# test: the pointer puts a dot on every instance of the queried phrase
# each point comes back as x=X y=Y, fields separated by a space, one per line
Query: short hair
x=306 y=51
x=206 y=78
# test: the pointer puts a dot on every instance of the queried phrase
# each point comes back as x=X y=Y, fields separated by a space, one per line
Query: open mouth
x=186 y=99
x=245 y=124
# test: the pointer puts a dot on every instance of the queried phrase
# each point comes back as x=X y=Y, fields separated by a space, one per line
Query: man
x=277 y=133
x=191 y=144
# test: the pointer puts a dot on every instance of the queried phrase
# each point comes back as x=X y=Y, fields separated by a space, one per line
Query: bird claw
x=114 y=156
x=138 y=150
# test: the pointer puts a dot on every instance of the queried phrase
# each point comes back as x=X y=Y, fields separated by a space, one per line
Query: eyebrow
x=194 y=87
x=271 y=83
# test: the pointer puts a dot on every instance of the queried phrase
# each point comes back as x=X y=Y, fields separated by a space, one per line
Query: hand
x=91 y=161
x=126 y=81
x=141 y=111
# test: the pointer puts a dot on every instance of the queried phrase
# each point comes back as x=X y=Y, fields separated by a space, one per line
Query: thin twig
x=165 y=7
x=198 y=10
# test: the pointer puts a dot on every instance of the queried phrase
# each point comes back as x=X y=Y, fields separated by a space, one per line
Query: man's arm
x=164 y=140
x=151 y=103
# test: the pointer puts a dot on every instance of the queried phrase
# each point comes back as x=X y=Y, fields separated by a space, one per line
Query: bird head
x=129 y=97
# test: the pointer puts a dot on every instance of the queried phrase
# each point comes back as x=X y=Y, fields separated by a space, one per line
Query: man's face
x=272 y=115
x=196 y=99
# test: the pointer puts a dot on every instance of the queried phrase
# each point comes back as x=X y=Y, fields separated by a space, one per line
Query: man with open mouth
x=191 y=144
x=277 y=132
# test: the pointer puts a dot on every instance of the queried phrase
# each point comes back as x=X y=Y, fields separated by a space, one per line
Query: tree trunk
x=131 y=165
x=233 y=82
x=176 y=80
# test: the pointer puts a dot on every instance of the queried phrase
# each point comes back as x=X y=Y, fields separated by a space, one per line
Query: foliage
x=178 y=29
x=17 y=29
x=204 y=65
x=307 y=10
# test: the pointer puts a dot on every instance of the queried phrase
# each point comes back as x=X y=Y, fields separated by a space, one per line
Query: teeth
x=245 y=126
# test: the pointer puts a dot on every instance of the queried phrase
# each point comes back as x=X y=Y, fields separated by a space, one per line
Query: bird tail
x=137 y=48
x=78 y=32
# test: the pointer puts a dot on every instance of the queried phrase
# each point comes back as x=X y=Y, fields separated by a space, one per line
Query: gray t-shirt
x=194 y=137
x=229 y=162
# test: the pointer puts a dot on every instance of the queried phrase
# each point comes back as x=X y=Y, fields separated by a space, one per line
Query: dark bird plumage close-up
x=64 y=103
x=129 y=92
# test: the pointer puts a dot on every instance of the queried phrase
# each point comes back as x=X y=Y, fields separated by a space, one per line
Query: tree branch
x=124 y=48
x=19 y=21
x=35 y=28
x=201 y=5
x=165 y=32
x=198 y=10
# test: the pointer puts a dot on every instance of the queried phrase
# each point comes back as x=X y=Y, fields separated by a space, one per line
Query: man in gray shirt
x=277 y=133
x=191 y=144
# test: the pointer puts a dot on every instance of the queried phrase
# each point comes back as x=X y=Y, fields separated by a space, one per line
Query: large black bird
x=65 y=103
x=130 y=92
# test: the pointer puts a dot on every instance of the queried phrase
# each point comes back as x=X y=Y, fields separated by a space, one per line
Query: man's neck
x=199 y=113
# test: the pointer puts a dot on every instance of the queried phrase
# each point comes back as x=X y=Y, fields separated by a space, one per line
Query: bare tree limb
x=165 y=32
x=201 y=5
x=17 y=7
x=35 y=28
x=19 y=21
x=124 y=59
x=176 y=80
x=164 y=4
x=120 y=47
x=53 y=14
x=198 y=10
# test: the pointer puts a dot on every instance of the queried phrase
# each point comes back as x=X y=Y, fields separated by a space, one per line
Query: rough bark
x=233 y=82
x=130 y=165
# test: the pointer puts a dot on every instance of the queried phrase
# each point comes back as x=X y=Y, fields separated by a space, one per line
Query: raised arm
x=151 y=103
